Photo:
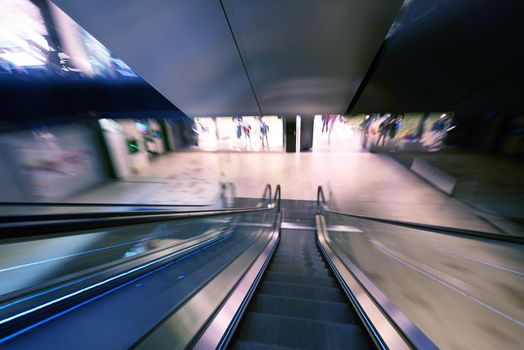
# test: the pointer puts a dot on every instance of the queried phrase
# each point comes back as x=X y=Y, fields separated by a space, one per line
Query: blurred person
x=325 y=123
x=246 y=129
x=238 y=127
x=264 y=130
x=438 y=133
x=383 y=131
x=364 y=129
x=217 y=134
x=395 y=126
x=332 y=118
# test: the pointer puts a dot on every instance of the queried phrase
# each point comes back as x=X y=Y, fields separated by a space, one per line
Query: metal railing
x=277 y=198
x=354 y=279
x=322 y=204
x=321 y=199
x=19 y=226
x=100 y=282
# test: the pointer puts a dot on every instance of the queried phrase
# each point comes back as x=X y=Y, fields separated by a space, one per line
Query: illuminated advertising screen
x=54 y=49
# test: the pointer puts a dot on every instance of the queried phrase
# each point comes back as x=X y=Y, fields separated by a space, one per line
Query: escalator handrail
x=94 y=204
x=23 y=229
x=321 y=199
x=277 y=198
x=267 y=192
x=152 y=262
x=112 y=214
x=31 y=225
x=387 y=325
x=221 y=328
x=99 y=284
x=223 y=186
x=421 y=226
x=95 y=215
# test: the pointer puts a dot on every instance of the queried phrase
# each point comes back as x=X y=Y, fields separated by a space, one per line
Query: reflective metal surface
x=450 y=286
x=222 y=327
x=286 y=57
x=184 y=49
x=310 y=56
x=383 y=331
x=127 y=311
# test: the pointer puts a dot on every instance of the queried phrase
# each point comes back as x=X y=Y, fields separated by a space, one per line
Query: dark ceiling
x=211 y=57
x=460 y=55
x=287 y=57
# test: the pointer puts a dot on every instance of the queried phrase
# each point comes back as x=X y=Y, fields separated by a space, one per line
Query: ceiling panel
x=308 y=56
x=183 y=48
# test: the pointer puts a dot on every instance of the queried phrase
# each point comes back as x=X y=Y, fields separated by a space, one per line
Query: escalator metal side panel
x=46 y=306
x=220 y=330
x=386 y=333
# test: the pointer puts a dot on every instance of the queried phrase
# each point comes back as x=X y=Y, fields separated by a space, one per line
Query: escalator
x=299 y=303
x=248 y=278
x=106 y=275
x=302 y=295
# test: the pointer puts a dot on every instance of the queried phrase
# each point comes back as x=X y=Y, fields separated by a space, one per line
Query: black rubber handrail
x=74 y=298
x=32 y=225
x=79 y=204
x=278 y=198
x=108 y=214
x=321 y=199
x=41 y=306
x=389 y=327
x=221 y=328
x=97 y=215
x=118 y=205
x=102 y=205
x=426 y=227
x=267 y=192
x=18 y=230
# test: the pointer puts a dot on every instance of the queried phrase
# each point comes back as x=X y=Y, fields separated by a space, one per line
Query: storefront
x=133 y=143
x=240 y=133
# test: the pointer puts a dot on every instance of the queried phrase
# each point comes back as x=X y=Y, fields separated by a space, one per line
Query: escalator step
x=300 y=270
x=312 y=253
x=297 y=261
x=305 y=265
x=302 y=308
x=283 y=256
x=302 y=291
x=298 y=244
x=305 y=334
x=293 y=278
x=247 y=345
x=290 y=252
x=298 y=264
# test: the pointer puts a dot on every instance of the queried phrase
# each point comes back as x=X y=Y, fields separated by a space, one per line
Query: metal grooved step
x=299 y=304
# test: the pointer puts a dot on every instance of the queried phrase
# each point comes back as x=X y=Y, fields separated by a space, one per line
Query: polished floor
x=359 y=182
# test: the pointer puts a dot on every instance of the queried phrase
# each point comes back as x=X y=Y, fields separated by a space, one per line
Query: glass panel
x=50 y=264
x=468 y=285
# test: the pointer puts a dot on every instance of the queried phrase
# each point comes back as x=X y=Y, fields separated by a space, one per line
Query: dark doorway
x=291 y=135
